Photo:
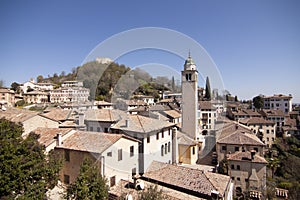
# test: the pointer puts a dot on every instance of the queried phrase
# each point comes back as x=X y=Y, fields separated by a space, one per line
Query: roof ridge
x=138 y=117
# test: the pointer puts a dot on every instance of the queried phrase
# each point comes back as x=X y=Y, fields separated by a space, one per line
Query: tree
x=258 y=102
x=207 y=90
x=1 y=83
x=236 y=99
x=89 y=183
x=15 y=87
x=173 y=84
x=26 y=172
x=39 y=79
x=152 y=193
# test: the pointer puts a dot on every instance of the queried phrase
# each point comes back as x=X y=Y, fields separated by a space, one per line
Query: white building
x=207 y=116
x=69 y=95
x=7 y=97
x=278 y=102
x=155 y=137
x=35 y=97
x=67 y=84
x=115 y=154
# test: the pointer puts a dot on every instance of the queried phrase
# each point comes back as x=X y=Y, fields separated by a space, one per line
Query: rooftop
x=17 y=115
x=93 y=142
x=141 y=124
x=256 y=120
x=241 y=138
x=193 y=181
x=246 y=157
x=47 y=134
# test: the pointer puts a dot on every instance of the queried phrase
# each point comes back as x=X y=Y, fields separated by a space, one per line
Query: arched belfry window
x=188 y=77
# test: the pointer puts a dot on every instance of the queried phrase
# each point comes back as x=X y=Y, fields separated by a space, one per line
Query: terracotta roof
x=241 y=138
x=248 y=112
x=184 y=139
x=290 y=122
x=246 y=157
x=17 y=115
x=6 y=90
x=93 y=142
x=278 y=96
x=57 y=114
x=206 y=105
x=159 y=108
x=103 y=115
x=228 y=127
x=270 y=113
x=256 y=120
x=172 y=113
x=141 y=124
x=47 y=134
x=194 y=180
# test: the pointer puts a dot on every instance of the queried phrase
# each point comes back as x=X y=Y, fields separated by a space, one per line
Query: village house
x=36 y=97
x=235 y=138
x=173 y=116
x=48 y=137
x=207 y=116
x=69 y=95
x=264 y=129
x=115 y=154
x=248 y=172
x=7 y=97
x=187 y=149
x=157 y=138
x=278 y=102
x=149 y=100
x=277 y=116
x=204 y=185
x=29 y=119
x=236 y=115
x=103 y=105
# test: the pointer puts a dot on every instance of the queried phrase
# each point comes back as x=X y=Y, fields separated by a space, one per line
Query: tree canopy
x=258 y=102
x=25 y=171
x=89 y=183
x=207 y=90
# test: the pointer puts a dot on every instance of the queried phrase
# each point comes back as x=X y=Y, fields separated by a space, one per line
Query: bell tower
x=189 y=86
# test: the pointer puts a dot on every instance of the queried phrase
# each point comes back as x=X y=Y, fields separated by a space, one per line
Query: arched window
x=162 y=150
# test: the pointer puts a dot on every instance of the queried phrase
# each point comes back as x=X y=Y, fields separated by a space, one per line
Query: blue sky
x=255 y=44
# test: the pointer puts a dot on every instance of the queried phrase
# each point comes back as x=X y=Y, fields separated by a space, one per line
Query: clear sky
x=255 y=44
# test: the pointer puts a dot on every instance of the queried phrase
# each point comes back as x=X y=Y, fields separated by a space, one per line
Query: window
x=162 y=134
x=238 y=167
x=162 y=150
x=109 y=154
x=131 y=151
x=66 y=179
x=188 y=77
x=166 y=148
x=268 y=131
x=157 y=136
x=232 y=166
x=105 y=130
x=148 y=139
x=120 y=156
x=246 y=180
x=224 y=148
x=169 y=146
x=256 y=149
x=112 y=181
x=98 y=129
x=169 y=131
x=232 y=178
x=91 y=129
x=238 y=178
x=209 y=114
x=236 y=148
x=193 y=150
x=67 y=155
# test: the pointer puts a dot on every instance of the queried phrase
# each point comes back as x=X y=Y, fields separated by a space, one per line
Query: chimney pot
x=58 y=139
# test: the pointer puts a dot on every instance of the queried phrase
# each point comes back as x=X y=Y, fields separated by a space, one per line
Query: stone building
x=248 y=173
x=7 y=97
x=264 y=129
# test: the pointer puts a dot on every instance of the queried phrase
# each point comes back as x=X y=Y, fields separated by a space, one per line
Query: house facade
x=248 y=173
x=155 y=138
x=278 y=102
x=7 y=97
x=264 y=129
x=115 y=154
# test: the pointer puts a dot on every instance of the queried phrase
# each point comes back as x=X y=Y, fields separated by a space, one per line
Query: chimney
x=81 y=119
x=126 y=123
x=174 y=146
x=58 y=139
x=252 y=154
